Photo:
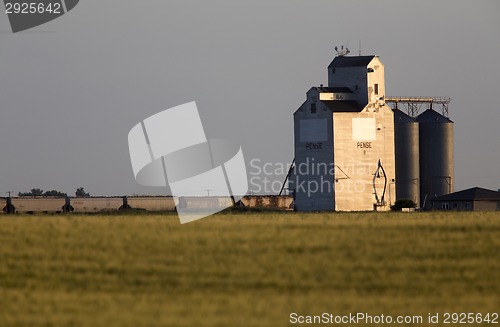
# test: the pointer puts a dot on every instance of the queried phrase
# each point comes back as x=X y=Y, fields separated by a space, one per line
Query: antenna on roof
x=360 y=47
x=342 y=52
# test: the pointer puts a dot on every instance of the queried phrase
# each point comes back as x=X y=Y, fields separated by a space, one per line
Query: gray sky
x=71 y=90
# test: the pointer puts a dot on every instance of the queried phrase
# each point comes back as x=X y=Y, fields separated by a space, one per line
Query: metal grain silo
x=406 y=138
x=436 y=156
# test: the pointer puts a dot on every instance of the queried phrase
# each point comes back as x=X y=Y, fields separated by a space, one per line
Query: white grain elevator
x=344 y=141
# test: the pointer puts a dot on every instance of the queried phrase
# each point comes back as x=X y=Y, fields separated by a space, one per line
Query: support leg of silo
x=9 y=207
x=67 y=207
x=125 y=205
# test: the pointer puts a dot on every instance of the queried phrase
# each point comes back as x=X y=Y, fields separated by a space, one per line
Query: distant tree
x=40 y=192
x=55 y=193
x=33 y=192
x=80 y=192
x=36 y=192
x=403 y=203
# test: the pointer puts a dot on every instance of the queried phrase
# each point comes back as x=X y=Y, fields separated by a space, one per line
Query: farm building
x=473 y=199
x=355 y=153
x=344 y=141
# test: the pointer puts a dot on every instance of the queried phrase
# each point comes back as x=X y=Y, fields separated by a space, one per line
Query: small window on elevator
x=376 y=89
x=313 y=108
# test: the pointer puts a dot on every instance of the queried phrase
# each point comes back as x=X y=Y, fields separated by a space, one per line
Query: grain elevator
x=353 y=152
x=344 y=141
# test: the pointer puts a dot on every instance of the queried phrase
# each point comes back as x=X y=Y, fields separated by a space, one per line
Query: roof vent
x=341 y=52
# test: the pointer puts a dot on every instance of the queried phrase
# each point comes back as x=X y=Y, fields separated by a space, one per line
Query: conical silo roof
x=402 y=118
x=431 y=116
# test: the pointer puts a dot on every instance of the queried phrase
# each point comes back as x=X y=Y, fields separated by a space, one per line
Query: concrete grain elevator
x=355 y=153
x=344 y=141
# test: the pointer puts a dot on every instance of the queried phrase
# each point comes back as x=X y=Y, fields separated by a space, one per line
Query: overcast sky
x=71 y=90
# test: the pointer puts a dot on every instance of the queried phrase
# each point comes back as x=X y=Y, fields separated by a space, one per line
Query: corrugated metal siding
x=152 y=203
x=436 y=156
x=406 y=134
x=38 y=204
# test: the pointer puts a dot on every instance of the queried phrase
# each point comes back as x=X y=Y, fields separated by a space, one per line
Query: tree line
x=80 y=192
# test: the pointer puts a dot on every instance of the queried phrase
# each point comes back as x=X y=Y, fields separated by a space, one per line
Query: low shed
x=473 y=199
